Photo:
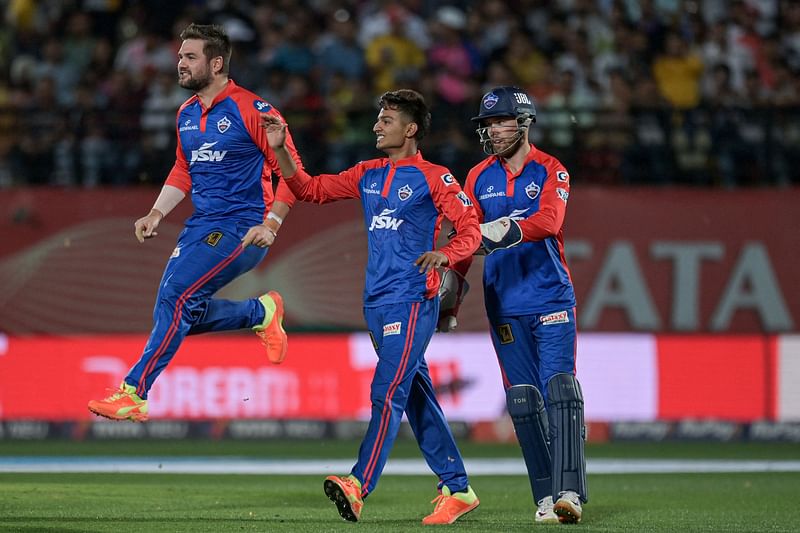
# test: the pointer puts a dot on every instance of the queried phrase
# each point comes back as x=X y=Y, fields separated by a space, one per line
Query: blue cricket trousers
x=531 y=350
x=206 y=259
x=401 y=383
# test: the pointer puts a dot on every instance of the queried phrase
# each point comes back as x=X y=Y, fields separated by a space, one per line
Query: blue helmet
x=510 y=102
x=506 y=102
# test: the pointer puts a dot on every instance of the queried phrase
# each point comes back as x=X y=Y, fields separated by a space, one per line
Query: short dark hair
x=215 y=41
x=412 y=104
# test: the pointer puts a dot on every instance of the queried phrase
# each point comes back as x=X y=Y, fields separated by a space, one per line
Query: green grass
x=407 y=448
x=165 y=502
x=193 y=502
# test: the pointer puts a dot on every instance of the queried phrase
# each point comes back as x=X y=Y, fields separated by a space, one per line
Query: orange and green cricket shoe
x=451 y=506
x=271 y=331
x=123 y=404
x=345 y=492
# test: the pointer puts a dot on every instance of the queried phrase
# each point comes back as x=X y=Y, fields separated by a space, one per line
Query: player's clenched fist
x=145 y=227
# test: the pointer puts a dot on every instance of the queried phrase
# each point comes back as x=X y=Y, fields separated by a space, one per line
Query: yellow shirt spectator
x=394 y=59
x=678 y=74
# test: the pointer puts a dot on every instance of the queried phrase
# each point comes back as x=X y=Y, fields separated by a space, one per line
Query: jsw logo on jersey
x=385 y=221
x=204 y=154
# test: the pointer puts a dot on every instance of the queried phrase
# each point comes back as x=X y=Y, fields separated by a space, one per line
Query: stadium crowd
x=695 y=92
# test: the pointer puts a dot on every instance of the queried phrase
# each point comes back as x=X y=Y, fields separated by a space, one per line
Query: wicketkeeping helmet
x=505 y=102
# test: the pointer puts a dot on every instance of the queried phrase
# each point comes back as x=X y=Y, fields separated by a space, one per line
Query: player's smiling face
x=390 y=130
x=194 y=68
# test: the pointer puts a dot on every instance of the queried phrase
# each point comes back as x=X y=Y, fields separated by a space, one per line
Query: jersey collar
x=226 y=92
x=532 y=155
x=410 y=161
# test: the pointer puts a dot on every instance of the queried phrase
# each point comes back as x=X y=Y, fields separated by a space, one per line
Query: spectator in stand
x=114 y=50
x=450 y=57
x=677 y=72
x=393 y=58
x=379 y=18
x=337 y=51
x=294 y=55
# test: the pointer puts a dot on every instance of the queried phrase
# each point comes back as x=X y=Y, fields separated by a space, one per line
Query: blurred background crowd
x=689 y=92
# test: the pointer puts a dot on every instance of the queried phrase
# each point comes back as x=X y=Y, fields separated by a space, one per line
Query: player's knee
x=564 y=389
x=524 y=401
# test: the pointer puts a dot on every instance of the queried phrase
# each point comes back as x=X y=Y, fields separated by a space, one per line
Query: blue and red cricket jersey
x=224 y=161
x=532 y=277
x=223 y=158
x=403 y=204
x=528 y=292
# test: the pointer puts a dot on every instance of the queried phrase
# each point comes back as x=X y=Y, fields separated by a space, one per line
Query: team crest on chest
x=223 y=124
x=404 y=192
x=532 y=190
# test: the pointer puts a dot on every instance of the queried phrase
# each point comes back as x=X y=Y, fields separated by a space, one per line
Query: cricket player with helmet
x=520 y=194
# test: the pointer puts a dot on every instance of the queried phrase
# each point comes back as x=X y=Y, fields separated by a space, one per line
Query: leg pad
x=526 y=407
x=567 y=435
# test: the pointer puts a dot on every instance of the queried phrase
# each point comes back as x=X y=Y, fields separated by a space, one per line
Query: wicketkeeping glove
x=452 y=290
x=500 y=234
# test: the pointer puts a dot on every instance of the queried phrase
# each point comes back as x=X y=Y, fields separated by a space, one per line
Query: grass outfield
x=107 y=502
x=194 y=502
x=404 y=447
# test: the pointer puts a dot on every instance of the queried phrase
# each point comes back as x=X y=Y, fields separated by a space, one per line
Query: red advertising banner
x=210 y=377
x=649 y=260
x=715 y=378
x=624 y=377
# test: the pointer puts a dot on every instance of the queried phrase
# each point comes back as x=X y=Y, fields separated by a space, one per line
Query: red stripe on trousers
x=148 y=369
x=386 y=413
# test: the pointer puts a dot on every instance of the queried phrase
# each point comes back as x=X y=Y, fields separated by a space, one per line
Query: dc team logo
x=223 y=124
x=404 y=192
x=490 y=100
x=532 y=190
x=448 y=179
x=261 y=106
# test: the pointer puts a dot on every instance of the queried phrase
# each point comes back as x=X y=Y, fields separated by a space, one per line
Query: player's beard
x=511 y=146
x=198 y=83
